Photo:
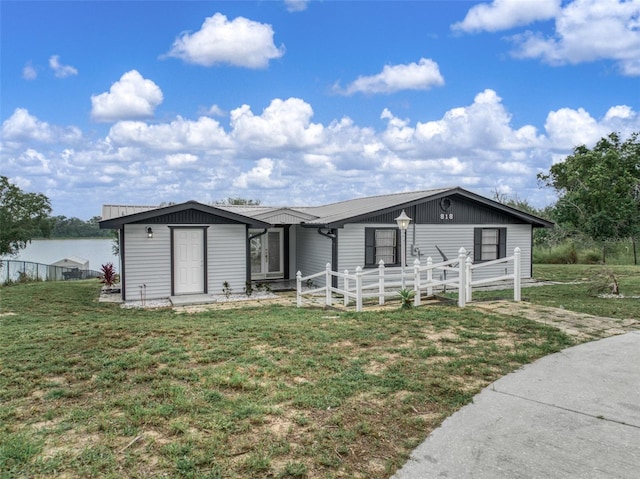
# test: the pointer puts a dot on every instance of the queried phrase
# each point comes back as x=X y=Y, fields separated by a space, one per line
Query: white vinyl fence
x=383 y=282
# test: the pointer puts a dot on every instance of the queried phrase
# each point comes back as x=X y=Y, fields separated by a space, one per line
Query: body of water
x=47 y=251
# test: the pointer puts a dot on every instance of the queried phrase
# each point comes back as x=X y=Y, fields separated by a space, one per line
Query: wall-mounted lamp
x=149 y=232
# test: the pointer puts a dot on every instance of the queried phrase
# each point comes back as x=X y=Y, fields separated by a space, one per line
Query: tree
x=22 y=217
x=238 y=202
x=599 y=189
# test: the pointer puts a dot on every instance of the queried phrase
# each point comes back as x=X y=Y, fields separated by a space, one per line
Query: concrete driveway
x=573 y=414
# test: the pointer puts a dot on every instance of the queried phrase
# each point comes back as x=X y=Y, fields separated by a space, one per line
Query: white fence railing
x=383 y=282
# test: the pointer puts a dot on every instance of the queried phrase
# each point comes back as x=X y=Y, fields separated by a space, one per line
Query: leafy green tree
x=238 y=201
x=22 y=217
x=599 y=189
x=64 y=227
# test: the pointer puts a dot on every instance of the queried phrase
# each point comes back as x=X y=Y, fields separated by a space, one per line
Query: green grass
x=572 y=292
x=88 y=389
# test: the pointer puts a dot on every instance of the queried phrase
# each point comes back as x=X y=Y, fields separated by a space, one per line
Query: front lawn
x=572 y=290
x=88 y=389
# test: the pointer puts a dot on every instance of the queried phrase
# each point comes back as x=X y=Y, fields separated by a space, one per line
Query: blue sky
x=303 y=103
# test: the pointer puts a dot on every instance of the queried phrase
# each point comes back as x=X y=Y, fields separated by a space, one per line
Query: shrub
x=406 y=298
x=561 y=254
x=603 y=281
x=590 y=257
x=108 y=275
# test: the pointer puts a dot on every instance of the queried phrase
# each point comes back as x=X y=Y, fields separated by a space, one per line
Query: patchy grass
x=574 y=293
x=91 y=390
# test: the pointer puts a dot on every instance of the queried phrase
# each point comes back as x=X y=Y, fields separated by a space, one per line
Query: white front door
x=188 y=267
x=267 y=254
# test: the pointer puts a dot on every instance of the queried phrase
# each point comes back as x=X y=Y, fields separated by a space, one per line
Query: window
x=381 y=244
x=489 y=244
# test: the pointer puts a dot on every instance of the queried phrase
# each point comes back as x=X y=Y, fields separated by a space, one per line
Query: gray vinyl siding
x=449 y=238
x=293 y=244
x=227 y=257
x=313 y=251
x=148 y=262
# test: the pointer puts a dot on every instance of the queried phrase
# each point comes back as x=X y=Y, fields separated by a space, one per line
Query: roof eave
x=116 y=223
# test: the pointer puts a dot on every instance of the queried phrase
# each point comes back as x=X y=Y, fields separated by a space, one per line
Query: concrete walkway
x=581 y=326
x=573 y=414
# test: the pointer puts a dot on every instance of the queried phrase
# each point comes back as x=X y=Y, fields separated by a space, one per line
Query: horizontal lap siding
x=351 y=244
x=148 y=261
x=449 y=238
x=227 y=256
x=313 y=252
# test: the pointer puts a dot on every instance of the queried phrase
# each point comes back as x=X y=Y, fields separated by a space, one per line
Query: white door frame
x=188 y=260
x=265 y=272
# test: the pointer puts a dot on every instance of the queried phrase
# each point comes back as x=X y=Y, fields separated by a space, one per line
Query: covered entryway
x=267 y=254
x=189 y=261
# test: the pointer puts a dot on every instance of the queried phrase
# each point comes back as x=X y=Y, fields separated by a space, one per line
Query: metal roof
x=337 y=214
x=143 y=214
x=333 y=215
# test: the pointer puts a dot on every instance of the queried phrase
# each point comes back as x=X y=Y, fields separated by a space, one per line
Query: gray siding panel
x=449 y=238
x=313 y=251
x=453 y=209
x=227 y=254
x=148 y=262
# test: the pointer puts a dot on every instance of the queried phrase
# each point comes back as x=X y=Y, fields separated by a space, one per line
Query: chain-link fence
x=20 y=271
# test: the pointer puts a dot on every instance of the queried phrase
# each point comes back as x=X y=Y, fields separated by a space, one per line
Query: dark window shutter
x=369 y=246
x=399 y=246
x=502 y=240
x=477 y=244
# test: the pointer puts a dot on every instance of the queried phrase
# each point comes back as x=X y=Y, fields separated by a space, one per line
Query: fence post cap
x=462 y=251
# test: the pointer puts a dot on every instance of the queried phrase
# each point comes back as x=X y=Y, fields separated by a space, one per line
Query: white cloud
x=34 y=163
x=29 y=72
x=284 y=123
x=484 y=124
x=60 y=70
x=585 y=30
x=180 y=159
x=281 y=157
x=506 y=14
x=413 y=76
x=622 y=112
x=296 y=5
x=239 y=42
x=568 y=128
x=589 y=30
x=181 y=134
x=213 y=110
x=130 y=97
x=22 y=126
x=260 y=176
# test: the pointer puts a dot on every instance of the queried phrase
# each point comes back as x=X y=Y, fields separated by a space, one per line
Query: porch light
x=403 y=223
x=149 y=232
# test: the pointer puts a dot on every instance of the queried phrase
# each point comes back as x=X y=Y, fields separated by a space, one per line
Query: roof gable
x=385 y=208
x=382 y=208
x=188 y=212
